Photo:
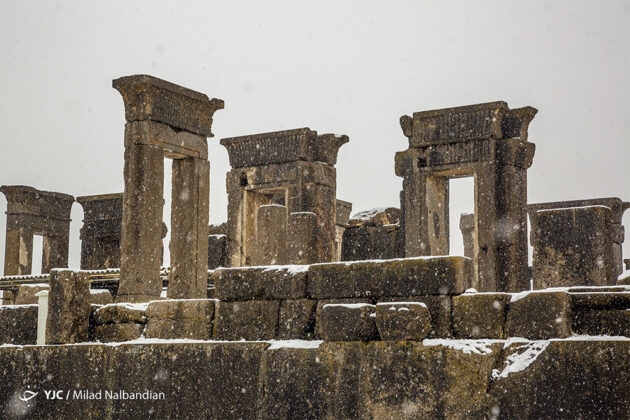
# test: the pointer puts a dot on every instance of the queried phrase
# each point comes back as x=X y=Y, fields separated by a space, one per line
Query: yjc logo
x=54 y=395
x=27 y=395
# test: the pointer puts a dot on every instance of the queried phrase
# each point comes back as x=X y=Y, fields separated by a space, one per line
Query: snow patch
x=466 y=346
x=519 y=361
x=402 y=303
x=294 y=344
x=349 y=305
x=34 y=285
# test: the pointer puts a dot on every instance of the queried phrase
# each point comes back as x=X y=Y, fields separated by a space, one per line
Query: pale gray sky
x=351 y=67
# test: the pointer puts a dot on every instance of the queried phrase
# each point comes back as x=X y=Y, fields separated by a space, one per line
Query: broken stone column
x=572 y=247
x=616 y=234
x=35 y=212
x=487 y=142
x=467 y=227
x=293 y=168
x=271 y=235
x=68 y=307
x=100 y=234
x=372 y=234
x=164 y=120
x=344 y=209
x=303 y=232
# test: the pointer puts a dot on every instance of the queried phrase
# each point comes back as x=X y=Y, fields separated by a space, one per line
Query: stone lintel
x=493 y=120
x=615 y=204
x=176 y=144
x=101 y=207
x=281 y=175
x=344 y=209
x=149 y=98
x=23 y=200
x=283 y=146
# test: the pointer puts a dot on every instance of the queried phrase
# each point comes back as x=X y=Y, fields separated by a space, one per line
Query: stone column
x=271 y=235
x=68 y=308
x=18 y=252
x=55 y=251
x=301 y=235
x=140 y=245
x=189 y=229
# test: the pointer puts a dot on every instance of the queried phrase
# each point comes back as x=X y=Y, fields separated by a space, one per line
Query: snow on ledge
x=294 y=344
x=466 y=346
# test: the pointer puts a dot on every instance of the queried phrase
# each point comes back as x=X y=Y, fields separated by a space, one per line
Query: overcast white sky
x=351 y=67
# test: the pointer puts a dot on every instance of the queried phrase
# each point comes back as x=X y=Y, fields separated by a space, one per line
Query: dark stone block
x=217 y=253
x=190 y=328
x=297 y=319
x=249 y=320
x=201 y=309
x=370 y=243
x=109 y=333
x=120 y=313
x=320 y=305
x=281 y=282
x=348 y=322
x=404 y=277
x=18 y=324
x=480 y=315
x=402 y=320
x=602 y=322
x=539 y=315
x=69 y=309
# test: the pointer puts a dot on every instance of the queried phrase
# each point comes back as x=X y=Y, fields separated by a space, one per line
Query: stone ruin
x=306 y=310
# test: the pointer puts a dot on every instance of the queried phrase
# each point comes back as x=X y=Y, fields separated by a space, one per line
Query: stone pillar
x=68 y=308
x=302 y=233
x=271 y=235
x=164 y=120
x=572 y=247
x=189 y=229
x=35 y=212
x=143 y=202
x=467 y=227
x=100 y=234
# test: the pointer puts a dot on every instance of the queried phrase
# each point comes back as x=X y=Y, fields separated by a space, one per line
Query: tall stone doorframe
x=164 y=120
x=577 y=242
x=283 y=186
x=488 y=142
x=35 y=212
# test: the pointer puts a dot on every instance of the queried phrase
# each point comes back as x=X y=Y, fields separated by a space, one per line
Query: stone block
x=602 y=322
x=194 y=329
x=296 y=319
x=282 y=282
x=539 y=315
x=200 y=309
x=249 y=320
x=573 y=247
x=301 y=235
x=116 y=333
x=402 y=320
x=100 y=297
x=18 y=324
x=480 y=315
x=348 y=322
x=440 y=309
x=68 y=307
x=585 y=299
x=26 y=293
x=217 y=252
x=320 y=305
x=370 y=243
x=389 y=278
x=121 y=313
x=271 y=235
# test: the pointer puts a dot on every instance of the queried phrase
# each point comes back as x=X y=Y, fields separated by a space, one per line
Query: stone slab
x=109 y=333
x=440 y=309
x=120 y=313
x=200 y=309
x=281 y=282
x=249 y=320
x=539 y=315
x=614 y=322
x=402 y=320
x=18 y=324
x=480 y=315
x=194 y=329
x=348 y=322
x=296 y=319
x=389 y=278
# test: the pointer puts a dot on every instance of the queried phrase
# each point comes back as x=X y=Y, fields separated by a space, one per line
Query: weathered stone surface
x=26 y=293
x=348 y=322
x=407 y=277
x=589 y=299
x=100 y=297
x=249 y=320
x=68 y=307
x=218 y=381
x=573 y=247
x=567 y=379
x=439 y=309
x=100 y=234
x=615 y=322
x=201 y=309
x=120 y=313
x=301 y=235
x=371 y=243
x=18 y=324
x=402 y=320
x=110 y=333
x=467 y=227
x=288 y=282
x=375 y=217
x=480 y=315
x=320 y=306
x=194 y=329
x=296 y=319
x=539 y=315
x=217 y=253
x=271 y=235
